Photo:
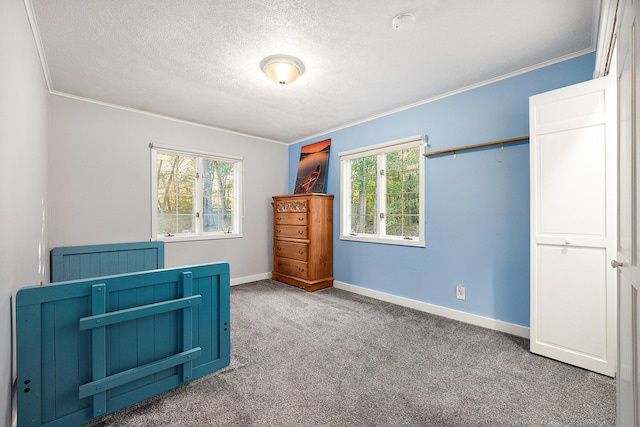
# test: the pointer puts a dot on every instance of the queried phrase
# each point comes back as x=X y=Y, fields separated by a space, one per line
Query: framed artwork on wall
x=312 y=168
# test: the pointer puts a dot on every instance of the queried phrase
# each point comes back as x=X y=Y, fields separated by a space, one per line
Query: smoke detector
x=403 y=22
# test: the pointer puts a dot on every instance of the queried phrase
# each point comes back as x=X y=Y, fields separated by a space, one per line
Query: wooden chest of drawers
x=302 y=240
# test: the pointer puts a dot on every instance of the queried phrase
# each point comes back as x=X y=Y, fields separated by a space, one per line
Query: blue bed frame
x=89 y=347
x=81 y=262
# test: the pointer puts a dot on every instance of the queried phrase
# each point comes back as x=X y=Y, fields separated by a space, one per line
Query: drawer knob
x=301 y=270
x=300 y=232
x=279 y=218
x=278 y=231
x=279 y=264
x=301 y=218
x=300 y=252
x=279 y=248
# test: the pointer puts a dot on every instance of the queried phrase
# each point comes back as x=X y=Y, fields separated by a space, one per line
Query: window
x=195 y=195
x=383 y=193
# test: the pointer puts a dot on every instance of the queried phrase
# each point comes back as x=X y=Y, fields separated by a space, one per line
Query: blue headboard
x=82 y=262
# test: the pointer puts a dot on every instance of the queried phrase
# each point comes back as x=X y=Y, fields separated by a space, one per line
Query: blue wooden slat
x=121 y=378
x=73 y=271
x=160 y=254
x=166 y=335
x=224 y=314
x=144 y=324
x=203 y=336
x=150 y=259
x=187 y=324
x=96 y=265
x=113 y=335
x=123 y=265
x=48 y=360
x=109 y=263
x=134 y=313
x=58 y=266
x=123 y=344
x=86 y=268
x=221 y=323
x=98 y=348
x=84 y=347
x=66 y=354
x=135 y=261
x=29 y=355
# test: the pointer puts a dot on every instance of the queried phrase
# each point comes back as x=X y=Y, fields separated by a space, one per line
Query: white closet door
x=573 y=224
x=628 y=65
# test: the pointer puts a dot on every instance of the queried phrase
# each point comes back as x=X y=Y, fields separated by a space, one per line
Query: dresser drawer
x=289 y=205
x=291 y=267
x=291 y=250
x=291 y=231
x=291 y=218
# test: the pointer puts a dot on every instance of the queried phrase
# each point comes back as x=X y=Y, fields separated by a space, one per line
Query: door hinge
x=381 y=215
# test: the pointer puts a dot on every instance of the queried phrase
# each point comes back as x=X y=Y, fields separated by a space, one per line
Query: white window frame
x=199 y=234
x=345 y=186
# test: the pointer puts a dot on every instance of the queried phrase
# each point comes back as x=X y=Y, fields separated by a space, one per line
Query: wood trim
x=605 y=36
x=471 y=147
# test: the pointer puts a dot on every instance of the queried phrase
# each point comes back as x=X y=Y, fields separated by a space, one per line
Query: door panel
x=572 y=180
x=567 y=273
x=573 y=224
x=628 y=355
x=560 y=112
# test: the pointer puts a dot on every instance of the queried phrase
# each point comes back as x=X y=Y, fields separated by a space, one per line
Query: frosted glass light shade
x=282 y=69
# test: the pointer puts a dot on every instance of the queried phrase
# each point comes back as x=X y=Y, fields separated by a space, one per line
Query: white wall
x=23 y=176
x=99 y=182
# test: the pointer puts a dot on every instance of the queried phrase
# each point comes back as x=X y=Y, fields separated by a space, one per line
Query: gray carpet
x=333 y=358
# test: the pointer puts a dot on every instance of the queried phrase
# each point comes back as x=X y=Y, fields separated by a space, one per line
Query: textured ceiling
x=198 y=60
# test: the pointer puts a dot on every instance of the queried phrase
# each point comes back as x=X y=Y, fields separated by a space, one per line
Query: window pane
x=403 y=184
x=176 y=190
x=411 y=203
x=364 y=172
x=218 y=196
x=411 y=225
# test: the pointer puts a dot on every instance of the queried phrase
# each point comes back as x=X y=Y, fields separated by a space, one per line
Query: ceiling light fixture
x=282 y=69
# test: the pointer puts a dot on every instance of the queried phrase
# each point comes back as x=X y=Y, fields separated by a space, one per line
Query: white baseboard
x=485 y=322
x=247 y=279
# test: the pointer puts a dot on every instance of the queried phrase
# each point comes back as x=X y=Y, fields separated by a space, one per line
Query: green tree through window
x=403 y=192
x=363 y=195
x=218 y=195
x=176 y=193
x=196 y=195
x=383 y=190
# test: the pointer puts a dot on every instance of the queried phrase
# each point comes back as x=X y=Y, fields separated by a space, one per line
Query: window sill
x=197 y=237
x=385 y=241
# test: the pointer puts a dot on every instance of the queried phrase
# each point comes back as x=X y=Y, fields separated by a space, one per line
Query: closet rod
x=470 y=147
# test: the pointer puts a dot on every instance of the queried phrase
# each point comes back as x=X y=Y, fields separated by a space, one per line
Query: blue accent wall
x=477 y=204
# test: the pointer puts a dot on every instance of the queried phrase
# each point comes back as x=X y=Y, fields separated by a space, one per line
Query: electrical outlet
x=460 y=291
